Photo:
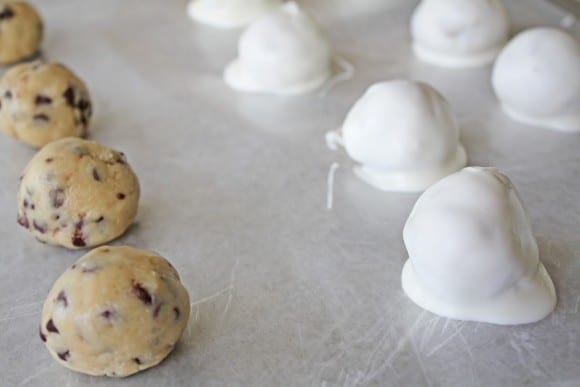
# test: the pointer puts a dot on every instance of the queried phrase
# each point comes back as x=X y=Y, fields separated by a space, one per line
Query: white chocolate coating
x=472 y=254
x=115 y=312
x=229 y=13
x=459 y=33
x=284 y=53
x=404 y=135
x=537 y=79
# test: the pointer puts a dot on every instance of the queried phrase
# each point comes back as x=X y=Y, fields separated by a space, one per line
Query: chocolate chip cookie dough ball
x=115 y=312
x=20 y=31
x=42 y=102
x=77 y=193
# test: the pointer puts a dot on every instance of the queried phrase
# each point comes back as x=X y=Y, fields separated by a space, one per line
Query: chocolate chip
x=62 y=298
x=49 y=160
x=84 y=104
x=69 y=96
x=8 y=94
x=100 y=219
x=23 y=221
x=64 y=355
x=51 y=327
x=78 y=241
x=40 y=227
x=41 y=117
x=108 y=314
x=42 y=335
x=25 y=203
x=7 y=13
x=96 y=175
x=42 y=100
x=157 y=310
x=137 y=360
x=74 y=266
x=56 y=217
x=142 y=294
x=121 y=196
x=56 y=197
x=32 y=207
x=177 y=312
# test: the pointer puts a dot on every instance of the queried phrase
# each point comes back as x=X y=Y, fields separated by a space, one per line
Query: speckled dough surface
x=115 y=312
x=77 y=193
x=43 y=102
x=20 y=31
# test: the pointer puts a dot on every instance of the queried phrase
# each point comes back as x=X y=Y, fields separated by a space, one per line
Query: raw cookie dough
x=115 y=312
x=284 y=53
x=404 y=135
x=459 y=33
x=472 y=252
x=229 y=13
x=42 y=102
x=20 y=31
x=537 y=79
x=77 y=193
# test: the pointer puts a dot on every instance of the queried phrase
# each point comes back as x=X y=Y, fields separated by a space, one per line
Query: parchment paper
x=285 y=292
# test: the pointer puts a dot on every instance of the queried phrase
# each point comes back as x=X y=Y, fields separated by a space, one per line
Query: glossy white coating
x=229 y=13
x=537 y=79
x=404 y=136
x=459 y=33
x=284 y=53
x=472 y=253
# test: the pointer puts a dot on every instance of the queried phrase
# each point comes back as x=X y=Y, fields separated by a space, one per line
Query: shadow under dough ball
x=77 y=193
x=42 y=102
x=21 y=31
x=115 y=312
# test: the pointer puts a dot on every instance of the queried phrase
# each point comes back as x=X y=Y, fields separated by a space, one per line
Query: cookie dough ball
x=459 y=33
x=472 y=252
x=229 y=13
x=115 y=312
x=284 y=53
x=404 y=135
x=43 y=102
x=537 y=79
x=20 y=31
x=77 y=193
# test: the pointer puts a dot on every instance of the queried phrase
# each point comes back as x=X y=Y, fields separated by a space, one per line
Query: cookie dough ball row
x=39 y=102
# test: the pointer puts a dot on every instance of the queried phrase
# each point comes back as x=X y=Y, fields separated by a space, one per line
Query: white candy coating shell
x=229 y=13
x=459 y=33
x=472 y=252
x=537 y=79
x=282 y=53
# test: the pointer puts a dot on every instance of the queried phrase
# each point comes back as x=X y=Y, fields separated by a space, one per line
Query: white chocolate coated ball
x=537 y=79
x=283 y=53
x=229 y=13
x=472 y=253
x=404 y=135
x=459 y=33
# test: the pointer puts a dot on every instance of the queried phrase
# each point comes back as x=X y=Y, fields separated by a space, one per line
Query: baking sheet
x=286 y=293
